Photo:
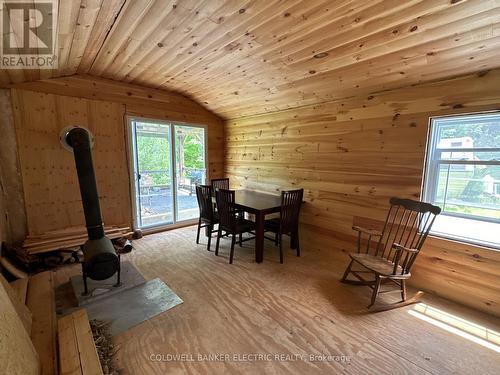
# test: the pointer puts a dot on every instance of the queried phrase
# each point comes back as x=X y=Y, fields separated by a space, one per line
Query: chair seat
x=214 y=221
x=272 y=225
x=377 y=264
x=244 y=225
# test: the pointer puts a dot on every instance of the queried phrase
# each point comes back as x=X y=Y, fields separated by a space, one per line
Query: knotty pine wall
x=351 y=156
x=41 y=109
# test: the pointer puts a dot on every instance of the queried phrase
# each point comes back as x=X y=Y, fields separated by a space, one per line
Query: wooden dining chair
x=220 y=183
x=230 y=222
x=288 y=222
x=405 y=230
x=208 y=218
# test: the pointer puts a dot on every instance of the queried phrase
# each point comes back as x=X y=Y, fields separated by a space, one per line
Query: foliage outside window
x=153 y=141
x=462 y=176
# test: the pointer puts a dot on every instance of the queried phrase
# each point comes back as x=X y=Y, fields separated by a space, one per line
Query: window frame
x=432 y=167
x=496 y=188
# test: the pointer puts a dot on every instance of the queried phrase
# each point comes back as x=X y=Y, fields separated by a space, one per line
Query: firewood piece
x=12 y=269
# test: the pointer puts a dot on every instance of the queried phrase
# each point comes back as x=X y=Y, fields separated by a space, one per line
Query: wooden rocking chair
x=404 y=232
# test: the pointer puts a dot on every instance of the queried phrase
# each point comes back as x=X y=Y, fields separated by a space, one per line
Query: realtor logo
x=28 y=35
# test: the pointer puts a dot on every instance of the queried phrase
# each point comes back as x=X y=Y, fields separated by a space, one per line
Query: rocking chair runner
x=404 y=232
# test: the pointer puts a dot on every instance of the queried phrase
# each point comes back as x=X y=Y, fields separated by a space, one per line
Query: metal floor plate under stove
x=133 y=302
x=130 y=277
x=133 y=306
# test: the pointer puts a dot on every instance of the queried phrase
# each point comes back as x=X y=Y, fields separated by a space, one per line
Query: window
x=462 y=176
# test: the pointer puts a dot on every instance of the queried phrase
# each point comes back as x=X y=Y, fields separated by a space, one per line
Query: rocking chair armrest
x=371 y=232
x=399 y=247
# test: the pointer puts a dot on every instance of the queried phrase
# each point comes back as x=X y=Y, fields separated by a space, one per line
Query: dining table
x=259 y=204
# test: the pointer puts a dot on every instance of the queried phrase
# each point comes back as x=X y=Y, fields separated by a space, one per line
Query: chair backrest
x=408 y=223
x=220 y=183
x=225 y=207
x=204 y=197
x=291 y=201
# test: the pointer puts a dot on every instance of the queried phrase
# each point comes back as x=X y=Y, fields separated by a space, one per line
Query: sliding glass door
x=168 y=161
x=190 y=169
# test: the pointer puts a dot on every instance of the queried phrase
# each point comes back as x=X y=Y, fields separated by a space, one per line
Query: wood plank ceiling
x=245 y=57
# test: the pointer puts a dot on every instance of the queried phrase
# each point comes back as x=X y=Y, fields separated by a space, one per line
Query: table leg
x=259 y=237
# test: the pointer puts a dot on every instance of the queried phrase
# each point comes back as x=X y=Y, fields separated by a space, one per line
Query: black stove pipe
x=79 y=140
x=100 y=260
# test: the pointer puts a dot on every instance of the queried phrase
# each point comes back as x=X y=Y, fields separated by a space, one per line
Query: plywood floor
x=294 y=310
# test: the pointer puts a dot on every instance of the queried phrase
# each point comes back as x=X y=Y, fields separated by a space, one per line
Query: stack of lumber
x=66 y=239
x=77 y=350
x=33 y=300
x=17 y=352
x=34 y=341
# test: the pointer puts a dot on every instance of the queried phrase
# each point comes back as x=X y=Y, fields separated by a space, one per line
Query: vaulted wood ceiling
x=245 y=57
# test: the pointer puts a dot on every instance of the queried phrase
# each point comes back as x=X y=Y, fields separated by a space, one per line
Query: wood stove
x=100 y=260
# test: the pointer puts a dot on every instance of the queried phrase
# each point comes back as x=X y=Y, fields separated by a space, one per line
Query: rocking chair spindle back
x=405 y=230
x=407 y=224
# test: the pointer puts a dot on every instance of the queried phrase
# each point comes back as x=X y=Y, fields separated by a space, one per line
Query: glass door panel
x=169 y=160
x=154 y=193
x=190 y=169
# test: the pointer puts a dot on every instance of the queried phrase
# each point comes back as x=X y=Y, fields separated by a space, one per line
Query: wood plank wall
x=13 y=217
x=351 y=155
x=5 y=122
x=52 y=198
x=144 y=102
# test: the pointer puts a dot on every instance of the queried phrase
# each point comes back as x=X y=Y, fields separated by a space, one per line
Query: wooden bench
x=33 y=300
x=77 y=351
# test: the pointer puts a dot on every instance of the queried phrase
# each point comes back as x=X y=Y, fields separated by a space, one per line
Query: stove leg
x=85 y=288
x=118 y=282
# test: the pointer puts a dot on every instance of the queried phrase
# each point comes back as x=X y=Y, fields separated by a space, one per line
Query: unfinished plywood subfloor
x=299 y=307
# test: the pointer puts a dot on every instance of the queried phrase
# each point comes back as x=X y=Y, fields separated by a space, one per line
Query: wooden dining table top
x=257 y=201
